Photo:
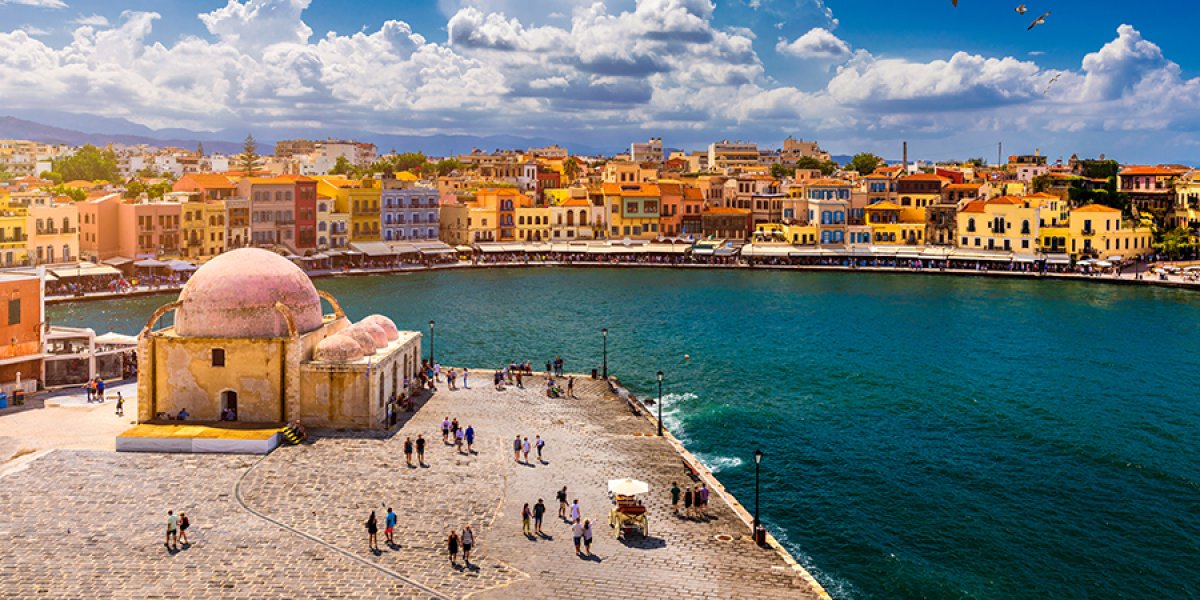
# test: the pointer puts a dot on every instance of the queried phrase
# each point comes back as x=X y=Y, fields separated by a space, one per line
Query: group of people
x=458 y=436
x=420 y=448
x=695 y=500
x=95 y=390
x=581 y=529
x=522 y=446
x=177 y=526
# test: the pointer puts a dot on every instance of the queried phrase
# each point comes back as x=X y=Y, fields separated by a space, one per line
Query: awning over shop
x=1058 y=259
x=766 y=250
x=428 y=248
x=666 y=248
x=464 y=248
x=181 y=265
x=372 y=249
x=491 y=247
x=85 y=270
x=398 y=248
x=117 y=261
x=149 y=263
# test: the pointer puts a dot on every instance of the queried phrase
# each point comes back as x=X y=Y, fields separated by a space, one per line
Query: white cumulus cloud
x=817 y=43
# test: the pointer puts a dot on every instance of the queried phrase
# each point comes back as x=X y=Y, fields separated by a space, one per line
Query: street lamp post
x=604 y=334
x=660 y=403
x=431 y=342
x=758 y=456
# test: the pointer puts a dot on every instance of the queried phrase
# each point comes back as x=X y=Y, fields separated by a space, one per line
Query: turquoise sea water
x=925 y=437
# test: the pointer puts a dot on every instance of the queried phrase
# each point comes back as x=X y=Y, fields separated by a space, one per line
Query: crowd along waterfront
x=924 y=436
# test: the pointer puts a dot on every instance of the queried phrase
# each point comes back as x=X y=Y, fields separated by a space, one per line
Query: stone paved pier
x=290 y=525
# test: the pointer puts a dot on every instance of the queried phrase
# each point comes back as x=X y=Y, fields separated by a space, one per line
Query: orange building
x=20 y=328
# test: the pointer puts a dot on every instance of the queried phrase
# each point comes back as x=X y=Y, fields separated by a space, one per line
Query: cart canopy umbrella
x=627 y=487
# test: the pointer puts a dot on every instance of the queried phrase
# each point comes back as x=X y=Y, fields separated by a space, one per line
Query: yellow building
x=533 y=223
x=633 y=210
x=1097 y=231
x=360 y=199
x=14 y=233
x=889 y=227
x=202 y=227
x=1006 y=223
x=53 y=226
x=791 y=233
x=489 y=215
x=333 y=228
x=251 y=343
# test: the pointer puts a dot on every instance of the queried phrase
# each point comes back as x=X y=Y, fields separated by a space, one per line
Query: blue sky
x=854 y=74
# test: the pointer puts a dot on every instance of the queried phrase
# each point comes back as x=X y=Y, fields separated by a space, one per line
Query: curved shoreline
x=1147 y=281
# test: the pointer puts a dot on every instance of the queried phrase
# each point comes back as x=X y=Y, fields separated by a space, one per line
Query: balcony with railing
x=1088 y=232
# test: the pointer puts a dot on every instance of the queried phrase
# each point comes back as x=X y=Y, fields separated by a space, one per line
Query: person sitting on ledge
x=183 y=415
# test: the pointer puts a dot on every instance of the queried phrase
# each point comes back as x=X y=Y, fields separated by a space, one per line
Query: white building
x=651 y=151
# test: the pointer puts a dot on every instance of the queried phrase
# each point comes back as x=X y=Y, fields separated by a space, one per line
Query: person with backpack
x=184 y=523
x=372 y=532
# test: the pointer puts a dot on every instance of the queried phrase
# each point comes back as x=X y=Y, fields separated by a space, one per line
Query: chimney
x=905 y=158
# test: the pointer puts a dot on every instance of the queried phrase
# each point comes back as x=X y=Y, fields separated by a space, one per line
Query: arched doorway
x=229 y=407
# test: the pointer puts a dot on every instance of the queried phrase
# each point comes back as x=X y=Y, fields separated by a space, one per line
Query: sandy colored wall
x=185 y=378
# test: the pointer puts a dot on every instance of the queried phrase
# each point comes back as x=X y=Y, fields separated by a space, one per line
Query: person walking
x=526 y=514
x=577 y=533
x=372 y=532
x=389 y=526
x=408 y=450
x=517 y=449
x=539 y=510
x=184 y=523
x=575 y=510
x=420 y=448
x=675 y=492
x=120 y=405
x=587 y=537
x=464 y=377
x=100 y=390
x=446 y=430
x=87 y=387
x=470 y=435
x=520 y=384
x=687 y=502
x=468 y=542
x=539 y=443
x=458 y=439
x=525 y=449
x=172 y=530
x=562 y=503
x=454 y=429
x=452 y=547
x=703 y=504
x=571 y=386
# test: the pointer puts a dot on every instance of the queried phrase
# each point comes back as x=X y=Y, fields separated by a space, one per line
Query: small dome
x=388 y=326
x=364 y=339
x=377 y=333
x=338 y=348
x=234 y=296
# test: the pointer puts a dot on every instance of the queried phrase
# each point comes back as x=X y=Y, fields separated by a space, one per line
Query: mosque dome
x=378 y=333
x=389 y=327
x=234 y=296
x=364 y=339
x=338 y=348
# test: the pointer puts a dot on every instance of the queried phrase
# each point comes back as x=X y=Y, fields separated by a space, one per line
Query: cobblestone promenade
x=89 y=524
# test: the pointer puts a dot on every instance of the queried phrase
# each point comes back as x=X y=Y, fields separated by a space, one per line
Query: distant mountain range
x=77 y=129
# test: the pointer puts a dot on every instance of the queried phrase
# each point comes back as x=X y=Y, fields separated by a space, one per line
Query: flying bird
x=1038 y=21
x=1021 y=9
x=1050 y=83
x=954 y=2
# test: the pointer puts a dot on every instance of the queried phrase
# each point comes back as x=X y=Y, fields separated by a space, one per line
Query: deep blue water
x=925 y=437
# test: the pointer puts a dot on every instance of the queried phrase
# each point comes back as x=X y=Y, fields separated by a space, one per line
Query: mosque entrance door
x=229 y=405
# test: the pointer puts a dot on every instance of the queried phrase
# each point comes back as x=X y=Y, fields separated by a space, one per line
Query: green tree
x=199 y=148
x=47 y=175
x=409 y=161
x=976 y=162
x=447 y=166
x=782 y=171
x=571 y=169
x=147 y=173
x=1176 y=242
x=827 y=167
x=74 y=193
x=158 y=190
x=865 y=163
x=134 y=188
x=89 y=163
x=249 y=160
x=342 y=166
x=6 y=176
x=1099 y=169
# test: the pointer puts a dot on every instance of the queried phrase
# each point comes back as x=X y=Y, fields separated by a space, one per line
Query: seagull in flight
x=1038 y=21
x=1022 y=9
x=954 y=2
x=1050 y=83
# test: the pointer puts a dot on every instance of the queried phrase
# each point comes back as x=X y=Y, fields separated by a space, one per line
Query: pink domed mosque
x=251 y=343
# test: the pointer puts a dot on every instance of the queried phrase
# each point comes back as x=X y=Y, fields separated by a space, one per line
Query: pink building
x=148 y=229
x=98 y=231
x=272 y=210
